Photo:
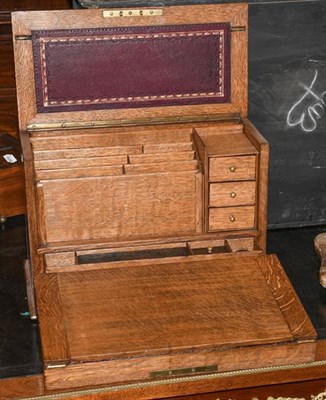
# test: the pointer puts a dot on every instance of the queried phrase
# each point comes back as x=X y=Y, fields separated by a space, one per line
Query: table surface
x=19 y=339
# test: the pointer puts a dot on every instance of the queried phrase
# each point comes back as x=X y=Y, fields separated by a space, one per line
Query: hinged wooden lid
x=132 y=324
x=108 y=66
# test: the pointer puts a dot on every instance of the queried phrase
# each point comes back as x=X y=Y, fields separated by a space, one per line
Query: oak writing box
x=146 y=190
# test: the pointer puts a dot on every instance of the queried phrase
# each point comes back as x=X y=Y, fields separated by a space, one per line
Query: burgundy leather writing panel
x=131 y=67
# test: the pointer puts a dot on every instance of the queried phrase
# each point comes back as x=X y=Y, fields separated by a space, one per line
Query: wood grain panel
x=164 y=157
x=83 y=153
x=167 y=309
x=285 y=381
x=55 y=347
x=232 y=168
x=80 y=162
x=232 y=194
x=164 y=326
x=153 y=206
x=226 y=144
x=161 y=167
x=289 y=303
x=228 y=218
x=139 y=369
x=262 y=146
x=167 y=147
x=236 y=14
x=89 y=138
x=79 y=172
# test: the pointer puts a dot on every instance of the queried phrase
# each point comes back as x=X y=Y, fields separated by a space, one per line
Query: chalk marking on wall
x=308 y=120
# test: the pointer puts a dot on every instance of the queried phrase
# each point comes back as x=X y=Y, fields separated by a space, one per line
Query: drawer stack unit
x=231 y=168
x=232 y=191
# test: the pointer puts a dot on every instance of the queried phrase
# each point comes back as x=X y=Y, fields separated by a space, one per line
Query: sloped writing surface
x=169 y=308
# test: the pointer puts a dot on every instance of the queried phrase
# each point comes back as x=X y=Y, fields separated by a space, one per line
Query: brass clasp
x=133 y=13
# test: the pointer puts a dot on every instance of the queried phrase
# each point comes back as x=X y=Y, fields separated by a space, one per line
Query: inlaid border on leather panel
x=131 y=67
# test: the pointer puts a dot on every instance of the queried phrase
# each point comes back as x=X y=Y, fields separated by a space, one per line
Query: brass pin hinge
x=183 y=371
x=53 y=366
x=133 y=122
x=133 y=13
x=238 y=28
x=306 y=341
x=23 y=37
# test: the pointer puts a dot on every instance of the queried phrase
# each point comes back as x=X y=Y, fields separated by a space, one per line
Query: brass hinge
x=53 y=366
x=23 y=37
x=238 y=28
x=306 y=341
x=132 y=122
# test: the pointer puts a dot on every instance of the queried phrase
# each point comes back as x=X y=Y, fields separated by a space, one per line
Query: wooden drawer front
x=232 y=168
x=231 y=218
x=232 y=194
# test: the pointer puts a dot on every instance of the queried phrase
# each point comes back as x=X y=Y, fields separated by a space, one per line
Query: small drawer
x=232 y=168
x=232 y=194
x=231 y=218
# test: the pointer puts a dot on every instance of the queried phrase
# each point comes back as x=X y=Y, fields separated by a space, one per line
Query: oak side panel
x=25 y=83
x=262 y=178
x=239 y=67
x=289 y=303
x=32 y=219
x=54 y=341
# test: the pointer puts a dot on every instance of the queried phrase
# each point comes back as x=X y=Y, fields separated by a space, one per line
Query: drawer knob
x=232 y=218
x=233 y=195
x=233 y=168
